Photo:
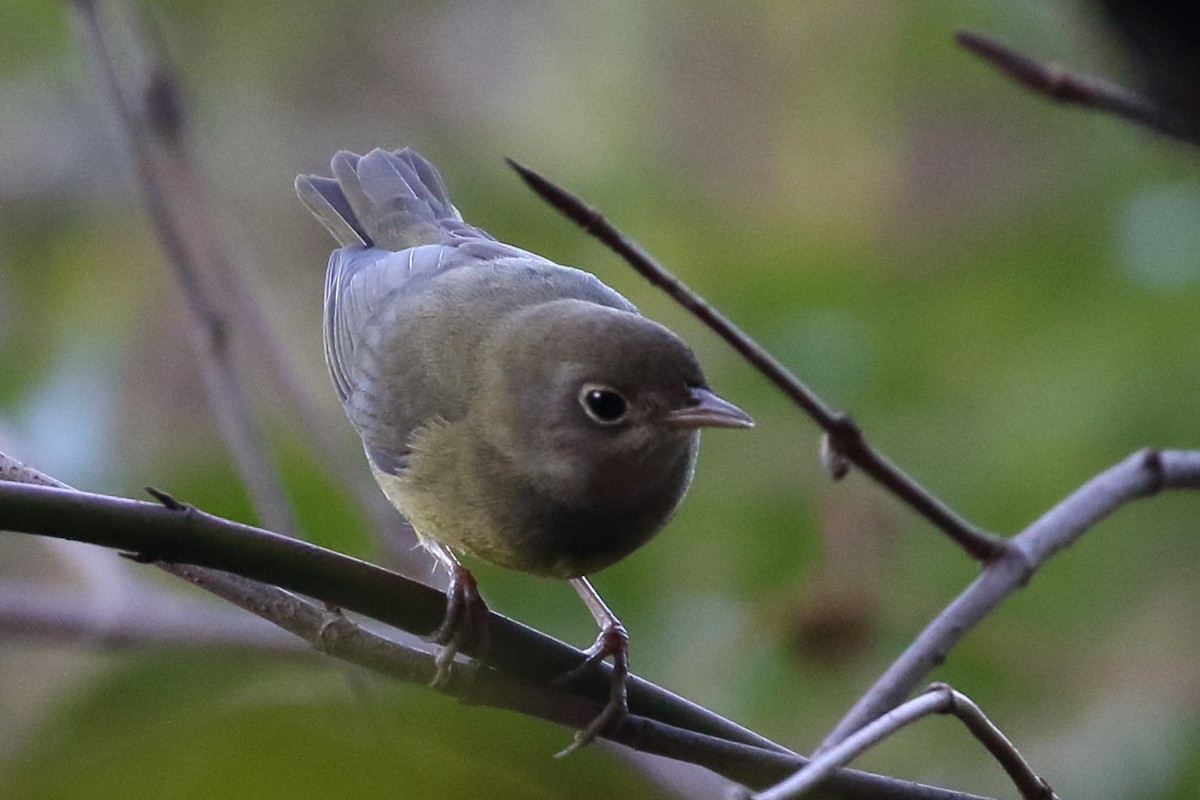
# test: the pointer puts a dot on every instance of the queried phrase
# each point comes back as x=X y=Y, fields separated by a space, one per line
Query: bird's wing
x=363 y=281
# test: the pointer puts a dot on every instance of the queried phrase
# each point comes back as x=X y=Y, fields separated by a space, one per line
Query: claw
x=612 y=641
x=465 y=622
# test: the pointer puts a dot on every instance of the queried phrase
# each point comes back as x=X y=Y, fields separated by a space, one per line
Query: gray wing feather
x=361 y=283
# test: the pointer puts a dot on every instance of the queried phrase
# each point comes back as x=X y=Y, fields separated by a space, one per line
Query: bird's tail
x=389 y=200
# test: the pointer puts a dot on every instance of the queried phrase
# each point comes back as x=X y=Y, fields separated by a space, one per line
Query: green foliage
x=190 y=725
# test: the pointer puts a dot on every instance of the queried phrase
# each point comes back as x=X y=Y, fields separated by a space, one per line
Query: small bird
x=510 y=407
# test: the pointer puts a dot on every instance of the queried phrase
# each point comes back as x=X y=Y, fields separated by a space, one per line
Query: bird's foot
x=465 y=622
x=612 y=641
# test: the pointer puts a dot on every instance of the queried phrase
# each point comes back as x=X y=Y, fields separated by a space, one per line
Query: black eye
x=606 y=406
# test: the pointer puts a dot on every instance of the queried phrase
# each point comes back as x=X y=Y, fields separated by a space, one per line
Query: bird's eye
x=604 y=405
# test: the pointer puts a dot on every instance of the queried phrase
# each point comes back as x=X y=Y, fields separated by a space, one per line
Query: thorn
x=167 y=500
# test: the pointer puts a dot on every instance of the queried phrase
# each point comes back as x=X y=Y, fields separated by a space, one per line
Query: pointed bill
x=709 y=411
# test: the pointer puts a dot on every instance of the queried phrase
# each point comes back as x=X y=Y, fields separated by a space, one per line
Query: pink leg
x=612 y=641
x=466 y=613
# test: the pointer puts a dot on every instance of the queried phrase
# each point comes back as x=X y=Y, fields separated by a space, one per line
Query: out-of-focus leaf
x=199 y=727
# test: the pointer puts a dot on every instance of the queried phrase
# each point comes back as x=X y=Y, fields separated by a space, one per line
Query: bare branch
x=1028 y=783
x=844 y=437
x=936 y=699
x=285 y=610
x=144 y=618
x=1140 y=475
x=663 y=723
x=208 y=324
x=154 y=533
x=1076 y=90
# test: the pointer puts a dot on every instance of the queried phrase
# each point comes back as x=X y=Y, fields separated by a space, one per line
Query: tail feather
x=429 y=180
x=325 y=200
x=389 y=200
x=394 y=181
x=396 y=199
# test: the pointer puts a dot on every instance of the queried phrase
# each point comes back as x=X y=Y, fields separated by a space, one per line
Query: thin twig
x=145 y=617
x=1142 y=474
x=1028 y=783
x=1084 y=91
x=936 y=699
x=844 y=436
x=184 y=193
x=208 y=325
x=228 y=311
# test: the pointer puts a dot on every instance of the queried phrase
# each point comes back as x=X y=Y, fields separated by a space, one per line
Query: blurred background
x=1003 y=293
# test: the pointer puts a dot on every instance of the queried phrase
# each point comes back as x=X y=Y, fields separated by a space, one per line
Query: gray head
x=596 y=405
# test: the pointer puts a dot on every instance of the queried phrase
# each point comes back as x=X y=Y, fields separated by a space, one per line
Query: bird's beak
x=709 y=411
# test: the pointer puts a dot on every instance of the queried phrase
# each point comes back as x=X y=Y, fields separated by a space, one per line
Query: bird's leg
x=612 y=641
x=466 y=613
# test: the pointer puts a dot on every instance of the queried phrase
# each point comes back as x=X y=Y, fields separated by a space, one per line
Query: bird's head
x=595 y=404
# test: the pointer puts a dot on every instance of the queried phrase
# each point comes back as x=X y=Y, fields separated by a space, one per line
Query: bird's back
x=413 y=294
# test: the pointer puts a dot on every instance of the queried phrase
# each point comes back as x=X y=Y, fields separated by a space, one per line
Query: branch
x=224 y=311
x=1076 y=90
x=937 y=699
x=662 y=723
x=1142 y=474
x=844 y=437
x=142 y=618
x=207 y=325
x=185 y=535
x=283 y=609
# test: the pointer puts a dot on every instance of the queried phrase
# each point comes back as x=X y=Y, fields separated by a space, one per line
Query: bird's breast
x=458 y=493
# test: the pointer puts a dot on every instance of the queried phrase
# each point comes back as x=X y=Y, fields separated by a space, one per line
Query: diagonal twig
x=1065 y=87
x=1142 y=474
x=208 y=325
x=844 y=436
x=228 y=320
x=186 y=197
